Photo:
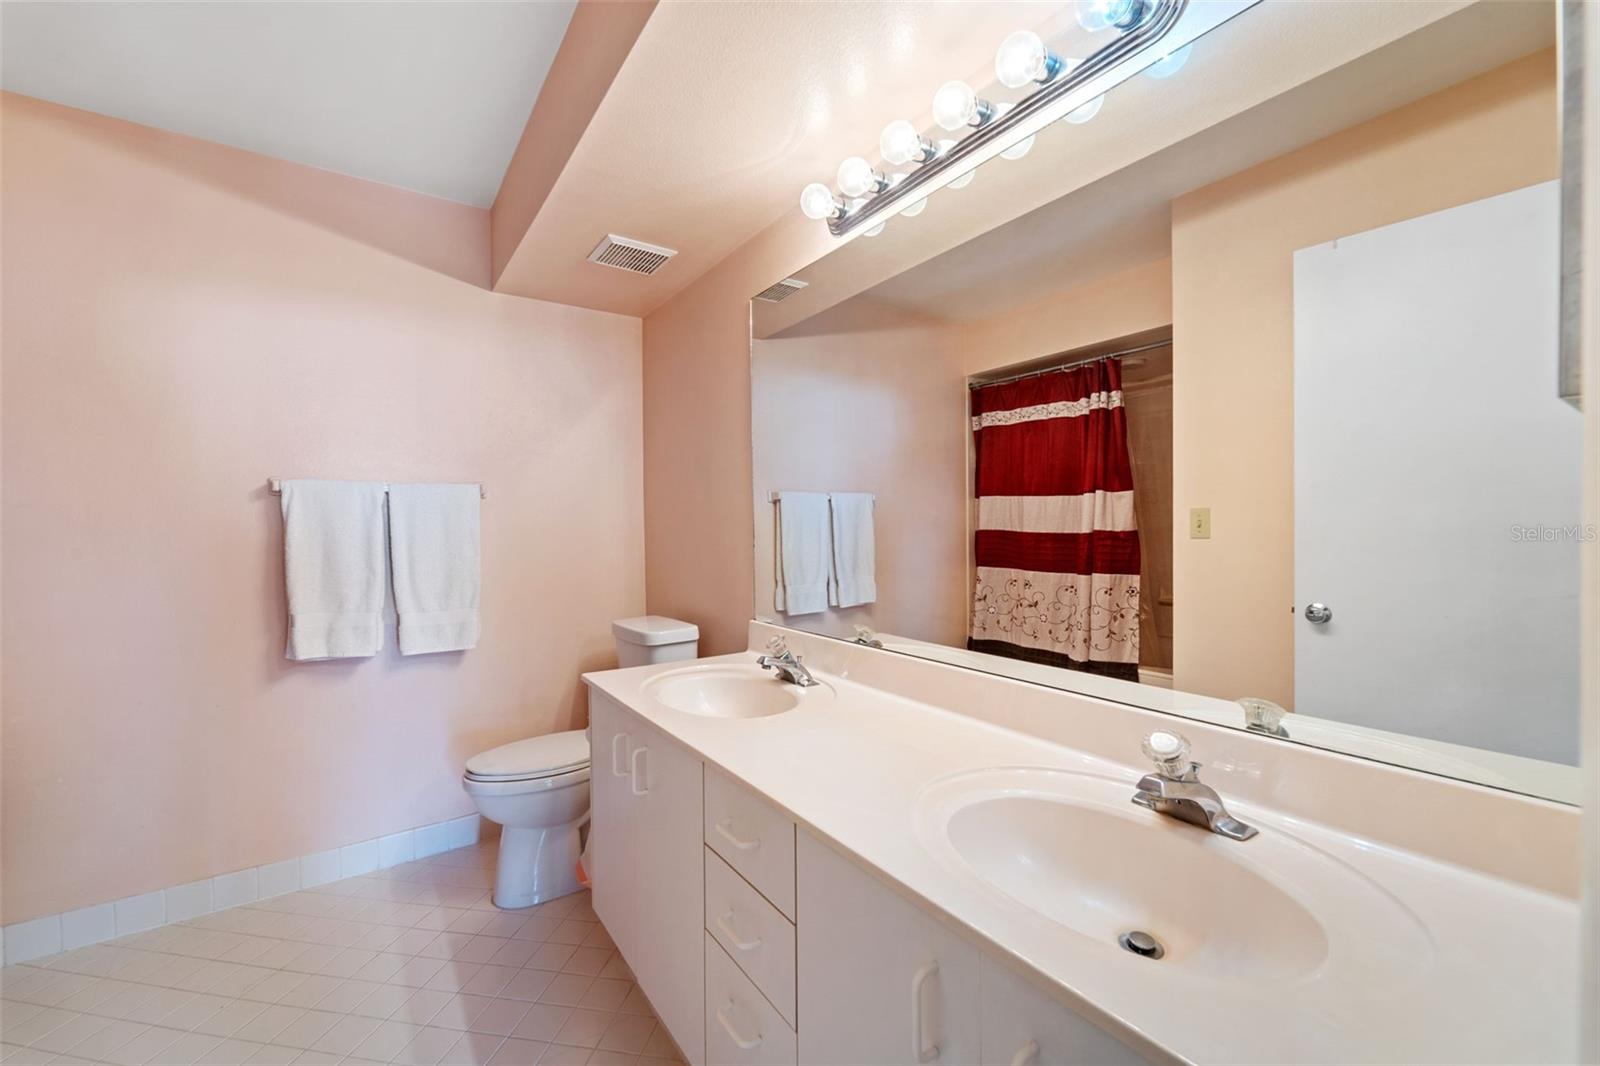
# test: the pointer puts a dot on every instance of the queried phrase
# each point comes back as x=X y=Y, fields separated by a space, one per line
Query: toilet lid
x=546 y=756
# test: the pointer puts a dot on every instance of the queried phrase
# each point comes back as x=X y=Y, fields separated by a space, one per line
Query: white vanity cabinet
x=1024 y=1026
x=646 y=797
x=880 y=979
x=759 y=945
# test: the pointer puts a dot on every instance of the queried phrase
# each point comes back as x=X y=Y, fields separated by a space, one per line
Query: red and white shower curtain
x=1057 y=547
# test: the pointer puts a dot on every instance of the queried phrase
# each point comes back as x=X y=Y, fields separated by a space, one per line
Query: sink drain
x=1142 y=943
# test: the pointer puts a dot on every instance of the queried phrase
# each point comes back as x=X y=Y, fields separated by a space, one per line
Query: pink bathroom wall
x=181 y=321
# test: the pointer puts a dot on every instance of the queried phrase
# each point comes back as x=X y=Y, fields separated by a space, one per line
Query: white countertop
x=1495 y=979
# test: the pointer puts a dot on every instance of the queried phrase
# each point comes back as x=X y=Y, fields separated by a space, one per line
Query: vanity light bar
x=1104 y=69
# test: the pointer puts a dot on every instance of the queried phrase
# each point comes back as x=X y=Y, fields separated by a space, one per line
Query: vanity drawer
x=742 y=1028
x=753 y=836
x=752 y=932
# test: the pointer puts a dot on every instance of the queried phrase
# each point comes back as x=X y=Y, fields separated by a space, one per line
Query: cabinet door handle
x=1027 y=1054
x=725 y=828
x=634 y=771
x=744 y=1043
x=725 y=923
x=924 y=1052
x=617 y=757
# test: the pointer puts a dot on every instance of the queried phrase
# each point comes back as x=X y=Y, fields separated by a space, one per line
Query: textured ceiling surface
x=425 y=96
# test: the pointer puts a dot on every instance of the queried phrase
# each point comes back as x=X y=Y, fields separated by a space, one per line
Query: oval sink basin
x=732 y=691
x=1073 y=850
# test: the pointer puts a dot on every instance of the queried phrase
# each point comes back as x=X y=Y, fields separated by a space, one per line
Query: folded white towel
x=433 y=541
x=854 y=548
x=333 y=568
x=805 y=558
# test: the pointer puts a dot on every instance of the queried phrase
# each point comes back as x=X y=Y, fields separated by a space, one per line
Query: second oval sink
x=730 y=691
x=1072 y=849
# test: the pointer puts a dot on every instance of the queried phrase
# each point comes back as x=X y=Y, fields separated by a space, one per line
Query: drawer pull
x=723 y=827
x=617 y=769
x=1027 y=1054
x=725 y=923
x=924 y=1052
x=633 y=769
x=744 y=1043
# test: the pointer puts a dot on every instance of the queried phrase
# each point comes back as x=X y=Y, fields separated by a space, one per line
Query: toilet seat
x=533 y=759
x=477 y=786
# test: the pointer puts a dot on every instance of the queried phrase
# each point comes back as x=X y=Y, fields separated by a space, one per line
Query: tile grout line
x=52 y=934
x=600 y=1027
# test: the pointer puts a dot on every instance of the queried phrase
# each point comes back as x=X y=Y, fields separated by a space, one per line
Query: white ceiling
x=1124 y=219
x=426 y=96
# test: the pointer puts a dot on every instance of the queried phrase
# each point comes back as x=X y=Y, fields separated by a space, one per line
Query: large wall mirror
x=1258 y=408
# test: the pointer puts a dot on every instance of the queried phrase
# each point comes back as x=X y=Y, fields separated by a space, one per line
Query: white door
x=669 y=881
x=1437 y=481
x=879 y=979
x=612 y=822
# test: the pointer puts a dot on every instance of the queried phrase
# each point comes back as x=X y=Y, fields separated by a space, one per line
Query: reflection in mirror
x=1261 y=428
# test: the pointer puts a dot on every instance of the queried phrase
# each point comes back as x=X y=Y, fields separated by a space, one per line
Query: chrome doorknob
x=1318 y=614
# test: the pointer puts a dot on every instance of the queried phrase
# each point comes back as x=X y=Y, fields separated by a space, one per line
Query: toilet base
x=535 y=865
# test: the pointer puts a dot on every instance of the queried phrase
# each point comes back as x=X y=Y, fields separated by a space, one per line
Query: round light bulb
x=875 y=230
x=915 y=209
x=1084 y=112
x=964 y=180
x=955 y=105
x=1169 y=64
x=1079 y=115
x=900 y=143
x=1021 y=60
x=1096 y=15
x=856 y=177
x=817 y=201
x=1093 y=15
x=1018 y=150
x=1022 y=147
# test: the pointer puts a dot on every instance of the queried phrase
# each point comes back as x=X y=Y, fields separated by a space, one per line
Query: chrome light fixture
x=1151 y=36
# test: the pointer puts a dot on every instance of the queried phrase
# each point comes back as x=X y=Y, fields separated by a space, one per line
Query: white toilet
x=538 y=789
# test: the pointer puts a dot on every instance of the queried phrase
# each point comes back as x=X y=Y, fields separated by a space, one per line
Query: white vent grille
x=781 y=291
x=625 y=253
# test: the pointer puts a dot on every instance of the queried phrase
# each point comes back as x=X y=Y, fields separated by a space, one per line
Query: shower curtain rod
x=975 y=384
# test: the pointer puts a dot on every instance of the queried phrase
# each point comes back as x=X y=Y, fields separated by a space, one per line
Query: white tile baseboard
x=24 y=941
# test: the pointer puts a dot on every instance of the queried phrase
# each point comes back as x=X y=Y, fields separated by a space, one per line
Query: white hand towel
x=805 y=559
x=433 y=542
x=333 y=568
x=854 y=548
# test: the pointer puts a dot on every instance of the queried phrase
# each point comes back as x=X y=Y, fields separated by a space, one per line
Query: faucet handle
x=778 y=646
x=1263 y=716
x=1169 y=751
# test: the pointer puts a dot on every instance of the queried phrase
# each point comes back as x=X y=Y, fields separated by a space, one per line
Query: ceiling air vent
x=781 y=291
x=625 y=253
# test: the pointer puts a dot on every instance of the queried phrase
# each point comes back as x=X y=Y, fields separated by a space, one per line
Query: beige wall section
x=870 y=399
x=1119 y=305
x=193 y=319
x=1233 y=328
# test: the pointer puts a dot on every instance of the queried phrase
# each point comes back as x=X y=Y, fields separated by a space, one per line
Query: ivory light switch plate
x=1199 y=523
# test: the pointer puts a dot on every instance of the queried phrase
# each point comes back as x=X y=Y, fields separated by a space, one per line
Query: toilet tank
x=654 y=639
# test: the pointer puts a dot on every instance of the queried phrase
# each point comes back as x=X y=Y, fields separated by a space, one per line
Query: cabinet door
x=669 y=885
x=1024 y=1026
x=612 y=822
x=880 y=979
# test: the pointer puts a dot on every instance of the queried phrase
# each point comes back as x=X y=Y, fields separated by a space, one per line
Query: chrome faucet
x=867 y=637
x=785 y=663
x=1175 y=789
